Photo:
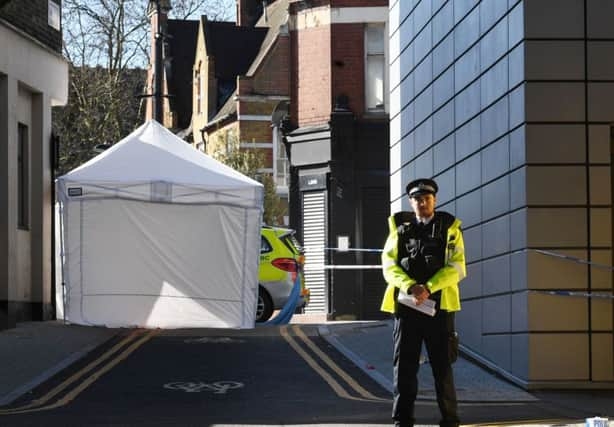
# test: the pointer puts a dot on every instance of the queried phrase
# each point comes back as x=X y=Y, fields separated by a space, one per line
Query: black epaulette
x=446 y=218
x=403 y=219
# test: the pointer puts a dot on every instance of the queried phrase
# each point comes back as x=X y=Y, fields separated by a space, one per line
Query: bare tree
x=107 y=45
x=217 y=10
x=100 y=111
x=115 y=33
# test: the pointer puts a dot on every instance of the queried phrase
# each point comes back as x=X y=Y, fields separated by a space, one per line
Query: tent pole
x=62 y=258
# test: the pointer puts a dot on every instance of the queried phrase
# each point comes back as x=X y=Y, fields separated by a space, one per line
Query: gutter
x=217 y=121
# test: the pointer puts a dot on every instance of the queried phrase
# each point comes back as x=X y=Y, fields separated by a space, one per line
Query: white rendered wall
x=32 y=79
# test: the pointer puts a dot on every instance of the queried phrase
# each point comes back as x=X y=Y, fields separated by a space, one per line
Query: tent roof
x=152 y=153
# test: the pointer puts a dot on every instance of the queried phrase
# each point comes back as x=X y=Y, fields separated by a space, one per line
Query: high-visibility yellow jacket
x=445 y=279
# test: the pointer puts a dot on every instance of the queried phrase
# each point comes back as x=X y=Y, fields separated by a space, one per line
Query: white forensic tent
x=155 y=233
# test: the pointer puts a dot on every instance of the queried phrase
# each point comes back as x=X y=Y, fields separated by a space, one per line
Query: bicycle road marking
x=217 y=387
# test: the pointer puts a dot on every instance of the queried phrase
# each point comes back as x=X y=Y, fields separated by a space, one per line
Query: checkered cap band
x=422 y=188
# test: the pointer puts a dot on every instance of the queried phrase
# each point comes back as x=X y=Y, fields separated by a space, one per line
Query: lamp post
x=156 y=8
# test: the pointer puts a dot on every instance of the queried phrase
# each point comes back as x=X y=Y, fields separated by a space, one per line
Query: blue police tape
x=578 y=261
x=314 y=267
x=319 y=267
x=575 y=294
x=285 y=314
x=540 y=251
x=573 y=258
x=322 y=248
x=353 y=250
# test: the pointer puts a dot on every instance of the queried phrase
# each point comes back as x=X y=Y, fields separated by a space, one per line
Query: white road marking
x=213 y=340
x=218 y=387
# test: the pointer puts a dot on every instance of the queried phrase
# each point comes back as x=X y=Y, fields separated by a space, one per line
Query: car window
x=265 y=246
x=293 y=244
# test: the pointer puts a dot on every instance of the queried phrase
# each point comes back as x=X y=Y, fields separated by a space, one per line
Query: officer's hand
x=420 y=292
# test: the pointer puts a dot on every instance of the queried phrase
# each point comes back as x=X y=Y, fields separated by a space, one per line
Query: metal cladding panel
x=314 y=240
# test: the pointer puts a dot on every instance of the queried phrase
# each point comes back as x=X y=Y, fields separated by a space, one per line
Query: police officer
x=424 y=257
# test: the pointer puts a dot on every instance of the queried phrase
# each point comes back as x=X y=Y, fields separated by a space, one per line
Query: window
x=282 y=165
x=23 y=177
x=230 y=140
x=265 y=246
x=161 y=191
x=375 y=67
x=198 y=89
x=53 y=15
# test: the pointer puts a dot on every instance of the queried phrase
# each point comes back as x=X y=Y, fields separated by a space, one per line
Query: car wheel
x=264 y=311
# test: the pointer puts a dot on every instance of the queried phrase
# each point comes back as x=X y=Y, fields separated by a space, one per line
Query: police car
x=281 y=262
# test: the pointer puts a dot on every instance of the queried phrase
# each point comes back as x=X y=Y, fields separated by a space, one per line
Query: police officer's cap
x=421 y=186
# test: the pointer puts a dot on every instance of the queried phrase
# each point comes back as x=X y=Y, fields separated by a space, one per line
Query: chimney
x=248 y=12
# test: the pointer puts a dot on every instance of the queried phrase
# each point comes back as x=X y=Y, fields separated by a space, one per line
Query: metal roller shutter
x=314 y=240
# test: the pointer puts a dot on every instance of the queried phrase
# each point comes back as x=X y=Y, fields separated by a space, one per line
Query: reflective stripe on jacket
x=445 y=279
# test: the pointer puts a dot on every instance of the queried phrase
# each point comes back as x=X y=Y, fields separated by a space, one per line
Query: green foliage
x=274 y=209
x=246 y=161
x=250 y=162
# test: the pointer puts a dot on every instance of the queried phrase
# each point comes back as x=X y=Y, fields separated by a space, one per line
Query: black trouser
x=411 y=328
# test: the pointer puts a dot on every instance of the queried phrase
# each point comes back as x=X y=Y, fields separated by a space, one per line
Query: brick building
x=33 y=78
x=338 y=142
x=179 y=48
x=242 y=78
x=307 y=83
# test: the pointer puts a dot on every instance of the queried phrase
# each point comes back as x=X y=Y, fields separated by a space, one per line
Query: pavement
x=33 y=352
x=369 y=346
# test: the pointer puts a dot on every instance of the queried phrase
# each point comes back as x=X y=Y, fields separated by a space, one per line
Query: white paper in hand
x=427 y=306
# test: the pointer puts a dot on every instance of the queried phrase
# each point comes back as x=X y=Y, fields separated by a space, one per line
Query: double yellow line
x=545 y=421
x=363 y=394
x=117 y=353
